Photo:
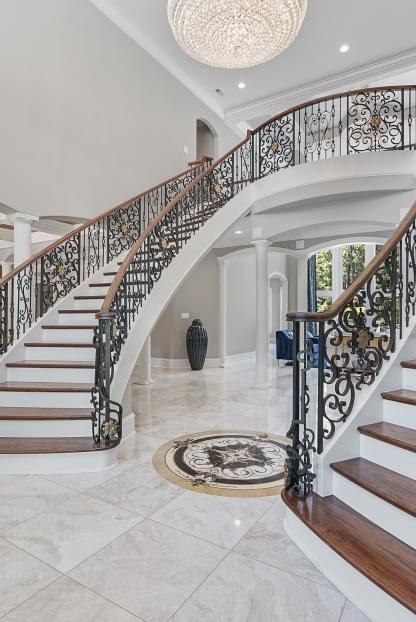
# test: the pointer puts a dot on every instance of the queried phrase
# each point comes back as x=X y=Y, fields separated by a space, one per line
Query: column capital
x=19 y=217
x=261 y=242
x=222 y=261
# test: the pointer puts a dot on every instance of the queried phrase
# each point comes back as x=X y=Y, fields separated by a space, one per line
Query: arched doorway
x=278 y=303
x=206 y=139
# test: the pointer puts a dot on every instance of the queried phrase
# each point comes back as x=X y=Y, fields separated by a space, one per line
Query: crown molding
x=361 y=76
x=163 y=59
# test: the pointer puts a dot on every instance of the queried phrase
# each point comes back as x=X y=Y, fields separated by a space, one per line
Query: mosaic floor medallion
x=239 y=463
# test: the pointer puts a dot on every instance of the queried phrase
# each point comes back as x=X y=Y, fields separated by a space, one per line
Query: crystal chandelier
x=235 y=33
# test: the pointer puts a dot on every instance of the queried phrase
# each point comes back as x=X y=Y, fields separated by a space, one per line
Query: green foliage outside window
x=324 y=270
x=353 y=262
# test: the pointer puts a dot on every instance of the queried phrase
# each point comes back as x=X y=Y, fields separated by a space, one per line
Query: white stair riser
x=26 y=399
x=99 y=291
x=60 y=354
x=78 y=318
x=409 y=379
x=76 y=336
x=385 y=515
x=48 y=464
x=88 y=304
x=49 y=429
x=40 y=374
x=389 y=456
x=400 y=414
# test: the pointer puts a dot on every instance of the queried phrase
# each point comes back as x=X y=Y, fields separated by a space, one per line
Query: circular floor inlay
x=225 y=462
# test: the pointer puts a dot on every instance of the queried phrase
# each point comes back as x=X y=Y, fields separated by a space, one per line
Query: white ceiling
x=381 y=35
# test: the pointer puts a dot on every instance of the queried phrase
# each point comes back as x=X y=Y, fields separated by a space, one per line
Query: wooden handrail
x=108 y=301
x=70 y=234
x=369 y=271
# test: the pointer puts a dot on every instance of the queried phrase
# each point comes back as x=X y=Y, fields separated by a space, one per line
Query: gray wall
x=88 y=118
x=199 y=296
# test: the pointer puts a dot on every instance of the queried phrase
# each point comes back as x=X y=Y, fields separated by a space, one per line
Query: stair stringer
x=172 y=277
x=368 y=409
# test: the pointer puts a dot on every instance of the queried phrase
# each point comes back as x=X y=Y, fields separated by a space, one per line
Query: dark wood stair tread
x=69 y=326
x=46 y=387
x=390 y=486
x=404 y=396
x=92 y=297
x=100 y=284
x=79 y=311
x=52 y=364
x=54 y=445
x=58 y=344
x=397 y=435
x=382 y=558
x=411 y=364
x=15 y=413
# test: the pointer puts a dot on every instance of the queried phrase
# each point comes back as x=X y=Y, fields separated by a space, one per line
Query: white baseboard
x=209 y=363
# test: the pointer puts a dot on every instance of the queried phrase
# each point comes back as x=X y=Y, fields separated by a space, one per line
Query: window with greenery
x=353 y=262
x=323 y=279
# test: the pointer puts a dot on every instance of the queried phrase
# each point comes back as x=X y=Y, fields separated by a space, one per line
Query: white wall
x=88 y=119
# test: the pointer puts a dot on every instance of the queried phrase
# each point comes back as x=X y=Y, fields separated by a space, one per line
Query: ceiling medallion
x=232 y=34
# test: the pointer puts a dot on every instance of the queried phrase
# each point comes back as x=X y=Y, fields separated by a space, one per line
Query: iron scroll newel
x=154 y=226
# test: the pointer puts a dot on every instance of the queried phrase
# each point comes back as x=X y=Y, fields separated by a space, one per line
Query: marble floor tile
x=278 y=550
x=28 y=496
x=21 y=576
x=7 y=479
x=140 y=490
x=352 y=614
x=83 y=481
x=68 y=534
x=155 y=569
x=67 y=601
x=221 y=520
x=139 y=448
x=243 y=590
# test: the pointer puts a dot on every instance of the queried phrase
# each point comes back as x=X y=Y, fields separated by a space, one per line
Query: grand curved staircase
x=74 y=317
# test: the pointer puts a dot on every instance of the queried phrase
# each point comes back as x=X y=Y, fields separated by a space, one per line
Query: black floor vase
x=197 y=344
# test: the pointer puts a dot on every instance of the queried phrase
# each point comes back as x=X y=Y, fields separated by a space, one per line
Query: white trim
x=233 y=359
x=363 y=75
x=163 y=59
x=165 y=363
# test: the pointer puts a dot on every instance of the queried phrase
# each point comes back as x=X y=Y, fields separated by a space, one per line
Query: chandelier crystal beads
x=235 y=33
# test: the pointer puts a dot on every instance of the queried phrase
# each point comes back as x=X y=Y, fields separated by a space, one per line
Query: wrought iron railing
x=34 y=287
x=347 y=348
x=379 y=119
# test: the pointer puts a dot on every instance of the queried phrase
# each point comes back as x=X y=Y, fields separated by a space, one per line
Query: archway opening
x=206 y=139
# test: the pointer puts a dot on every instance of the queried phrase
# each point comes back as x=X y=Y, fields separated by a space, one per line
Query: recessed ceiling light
x=238 y=232
x=241 y=85
x=344 y=48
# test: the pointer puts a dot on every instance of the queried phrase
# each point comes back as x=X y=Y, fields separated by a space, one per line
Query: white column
x=370 y=252
x=337 y=285
x=302 y=282
x=145 y=363
x=22 y=236
x=222 y=313
x=262 y=313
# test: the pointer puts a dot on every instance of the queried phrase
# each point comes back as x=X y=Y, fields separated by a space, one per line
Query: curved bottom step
x=371 y=567
x=52 y=455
